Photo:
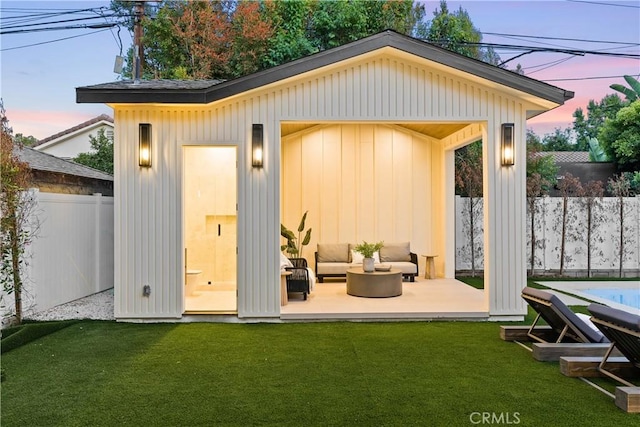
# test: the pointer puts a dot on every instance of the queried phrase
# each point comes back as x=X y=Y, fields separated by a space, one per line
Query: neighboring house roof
x=102 y=119
x=46 y=162
x=207 y=91
x=567 y=156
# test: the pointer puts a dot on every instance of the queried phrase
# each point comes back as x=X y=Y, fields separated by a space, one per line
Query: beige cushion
x=391 y=252
x=405 y=267
x=333 y=252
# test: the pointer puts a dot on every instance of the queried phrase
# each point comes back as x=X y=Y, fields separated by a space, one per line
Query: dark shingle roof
x=207 y=91
x=102 y=117
x=38 y=160
x=567 y=156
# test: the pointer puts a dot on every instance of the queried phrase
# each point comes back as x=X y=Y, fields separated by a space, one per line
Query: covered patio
x=437 y=299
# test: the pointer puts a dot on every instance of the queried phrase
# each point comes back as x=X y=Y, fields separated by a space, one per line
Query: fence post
x=98 y=243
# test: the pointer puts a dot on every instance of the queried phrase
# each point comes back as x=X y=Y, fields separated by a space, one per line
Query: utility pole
x=138 y=53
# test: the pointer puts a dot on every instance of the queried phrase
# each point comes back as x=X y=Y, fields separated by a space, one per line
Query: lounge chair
x=623 y=330
x=565 y=324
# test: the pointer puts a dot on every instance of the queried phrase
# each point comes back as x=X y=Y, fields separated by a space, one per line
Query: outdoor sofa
x=334 y=259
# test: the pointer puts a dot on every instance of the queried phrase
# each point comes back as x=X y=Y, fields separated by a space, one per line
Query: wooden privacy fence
x=72 y=255
x=605 y=236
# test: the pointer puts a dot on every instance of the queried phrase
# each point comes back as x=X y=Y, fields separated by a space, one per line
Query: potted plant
x=292 y=247
x=367 y=250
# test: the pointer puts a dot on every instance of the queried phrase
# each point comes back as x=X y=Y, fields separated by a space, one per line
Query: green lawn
x=296 y=374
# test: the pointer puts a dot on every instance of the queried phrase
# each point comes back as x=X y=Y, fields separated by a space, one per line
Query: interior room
x=374 y=182
x=210 y=229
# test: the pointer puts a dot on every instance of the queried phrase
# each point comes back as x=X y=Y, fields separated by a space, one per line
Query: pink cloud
x=42 y=124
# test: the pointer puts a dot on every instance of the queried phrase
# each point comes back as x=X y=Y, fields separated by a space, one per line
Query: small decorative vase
x=367 y=265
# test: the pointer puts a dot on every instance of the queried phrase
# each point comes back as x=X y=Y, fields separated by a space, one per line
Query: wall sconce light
x=507 y=144
x=144 y=145
x=257 y=139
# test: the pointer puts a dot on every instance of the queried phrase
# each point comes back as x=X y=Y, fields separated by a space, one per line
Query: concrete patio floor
x=423 y=299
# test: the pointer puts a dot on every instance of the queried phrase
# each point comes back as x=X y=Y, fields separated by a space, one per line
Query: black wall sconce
x=144 y=145
x=507 y=145
x=257 y=143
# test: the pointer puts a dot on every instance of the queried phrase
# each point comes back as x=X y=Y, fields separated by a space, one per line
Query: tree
x=536 y=185
x=101 y=155
x=290 y=21
x=222 y=39
x=591 y=198
x=620 y=137
x=559 y=140
x=587 y=127
x=18 y=225
x=631 y=93
x=533 y=141
x=468 y=177
x=454 y=31
x=339 y=22
x=569 y=186
x=619 y=187
x=26 y=141
x=544 y=166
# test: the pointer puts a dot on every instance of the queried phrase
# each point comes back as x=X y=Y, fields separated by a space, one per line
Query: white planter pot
x=367 y=265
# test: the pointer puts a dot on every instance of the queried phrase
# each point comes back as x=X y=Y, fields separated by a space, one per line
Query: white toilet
x=193 y=280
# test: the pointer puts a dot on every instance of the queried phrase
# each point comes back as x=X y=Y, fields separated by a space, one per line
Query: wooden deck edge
x=519 y=332
x=628 y=399
x=588 y=366
x=552 y=352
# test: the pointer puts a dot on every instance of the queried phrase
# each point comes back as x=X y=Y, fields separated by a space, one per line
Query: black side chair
x=298 y=280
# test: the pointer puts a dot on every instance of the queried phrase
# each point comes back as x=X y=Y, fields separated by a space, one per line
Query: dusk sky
x=38 y=82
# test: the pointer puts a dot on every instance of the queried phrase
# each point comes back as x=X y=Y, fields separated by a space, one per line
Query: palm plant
x=292 y=247
x=631 y=93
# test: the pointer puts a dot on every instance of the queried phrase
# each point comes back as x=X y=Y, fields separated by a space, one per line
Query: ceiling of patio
x=434 y=130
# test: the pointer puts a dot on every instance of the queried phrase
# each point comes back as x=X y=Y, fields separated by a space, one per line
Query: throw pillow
x=397 y=252
x=284 y=261
x=357 y=257
x=333 y=252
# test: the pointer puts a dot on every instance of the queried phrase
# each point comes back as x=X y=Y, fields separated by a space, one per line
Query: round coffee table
x=378 y=284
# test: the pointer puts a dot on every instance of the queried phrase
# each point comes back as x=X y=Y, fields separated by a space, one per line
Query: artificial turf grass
x=20 y=335
x=396 y=373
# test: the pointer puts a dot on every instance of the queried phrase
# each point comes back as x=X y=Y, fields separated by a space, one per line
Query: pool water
x=629 y=297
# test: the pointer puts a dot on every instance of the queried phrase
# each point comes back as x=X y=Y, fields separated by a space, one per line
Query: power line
x=54 y=22
x=53 y=41
x=604 y=4
x=560 y=38
x=582 y=78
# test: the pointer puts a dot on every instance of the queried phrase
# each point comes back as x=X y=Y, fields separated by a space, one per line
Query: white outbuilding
x=362 y=137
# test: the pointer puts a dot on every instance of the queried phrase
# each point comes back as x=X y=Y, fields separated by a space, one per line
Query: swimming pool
x=630 y=297
x=623 y=295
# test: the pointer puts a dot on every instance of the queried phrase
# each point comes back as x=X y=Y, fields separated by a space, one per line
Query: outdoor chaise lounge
x=565 y=324
x=623 y=330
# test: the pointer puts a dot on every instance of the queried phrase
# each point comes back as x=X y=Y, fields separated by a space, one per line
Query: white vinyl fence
x=72 y=255
x=605 y=238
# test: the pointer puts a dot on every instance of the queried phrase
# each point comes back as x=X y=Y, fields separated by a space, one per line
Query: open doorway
x=210 y=228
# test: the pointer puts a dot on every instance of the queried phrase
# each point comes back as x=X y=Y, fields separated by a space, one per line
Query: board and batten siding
x=384 y=88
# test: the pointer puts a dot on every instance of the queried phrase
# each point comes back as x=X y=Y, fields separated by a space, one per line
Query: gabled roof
x=207 y=91
x=103 y=118
x=38 y=160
